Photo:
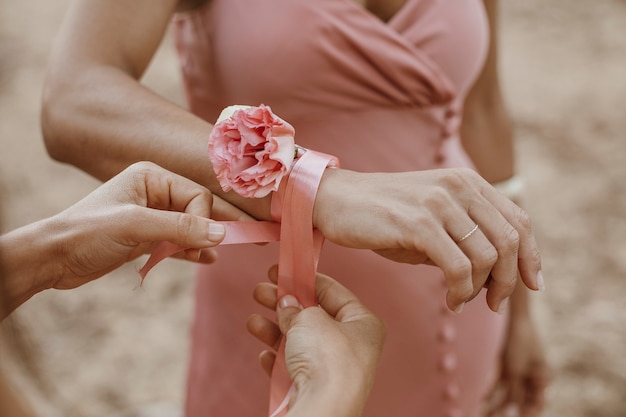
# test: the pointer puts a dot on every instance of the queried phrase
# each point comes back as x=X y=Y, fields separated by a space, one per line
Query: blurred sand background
x=109 y=347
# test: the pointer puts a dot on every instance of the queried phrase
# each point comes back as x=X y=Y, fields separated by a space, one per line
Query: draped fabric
x=381 y=97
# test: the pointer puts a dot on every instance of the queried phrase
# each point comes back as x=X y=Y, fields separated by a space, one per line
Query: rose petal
x=251 y=150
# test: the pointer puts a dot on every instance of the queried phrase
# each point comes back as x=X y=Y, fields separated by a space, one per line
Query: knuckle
x=510 y=239
x=510 y=283
x=487 y=259
x=506 y=283
x=457 y=180
x=185 y=225
x=207 y=197
x=437 y=198
x=464 y=291
x=523 y=219
x=460 y=268
x=460 y=279
x=142 y=167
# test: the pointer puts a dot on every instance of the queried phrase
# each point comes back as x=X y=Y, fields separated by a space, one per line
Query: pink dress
x=382 y=97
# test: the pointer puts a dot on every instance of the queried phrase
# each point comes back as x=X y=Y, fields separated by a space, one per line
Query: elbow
x=55 y=122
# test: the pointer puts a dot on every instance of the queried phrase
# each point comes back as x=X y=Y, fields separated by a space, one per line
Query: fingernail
x=289 y=301
x=503 y=306
x=459 y=308
x=540 y=284
x=216 y=232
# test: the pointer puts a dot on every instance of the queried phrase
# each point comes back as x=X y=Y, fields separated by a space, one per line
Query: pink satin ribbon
x=300 y=246
x=236 y=233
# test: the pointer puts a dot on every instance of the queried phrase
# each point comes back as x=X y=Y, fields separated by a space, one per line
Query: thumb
x=287 y=310
x=184 y=229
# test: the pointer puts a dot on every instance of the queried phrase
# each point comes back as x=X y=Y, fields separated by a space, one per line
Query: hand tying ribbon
x=253 y=152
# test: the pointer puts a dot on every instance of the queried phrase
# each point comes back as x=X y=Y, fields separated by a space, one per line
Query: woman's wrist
x=30 y=261
x=331 y=190
x=336 y=399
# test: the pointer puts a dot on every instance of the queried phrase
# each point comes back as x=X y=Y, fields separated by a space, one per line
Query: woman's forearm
x=486 y=129
x=97 y=116
x=30 y=262
x=487 y=135
x=117 y=123
x=121 y=122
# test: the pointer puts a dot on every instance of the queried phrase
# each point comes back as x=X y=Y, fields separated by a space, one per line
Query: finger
x=502 y=257
x=224 y=211
x=482 y=256
x=456 y=266
x=264 y=329
x=272 y=273
x=166 y=190
x=337 y=300
x=207 y=256
x=192 y=255
x=203 y=256
x=287 y=309
x=529 y=260
x=266 y=359
x=186 y=230
x=265 y=294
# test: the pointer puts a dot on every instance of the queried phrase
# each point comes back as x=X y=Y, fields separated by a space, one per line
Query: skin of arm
x=120 y=121
x=121 y=220
x=104 y=48
x=486 y=130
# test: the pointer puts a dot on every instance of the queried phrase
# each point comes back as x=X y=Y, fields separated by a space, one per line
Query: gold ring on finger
x=468 y=234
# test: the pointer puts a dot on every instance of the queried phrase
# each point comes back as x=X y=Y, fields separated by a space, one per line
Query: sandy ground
x=109 y=347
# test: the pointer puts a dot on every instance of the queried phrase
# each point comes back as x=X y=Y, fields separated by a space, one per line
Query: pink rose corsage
x=251 y=150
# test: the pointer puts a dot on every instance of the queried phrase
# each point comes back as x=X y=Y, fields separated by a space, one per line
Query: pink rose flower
x=251 y=150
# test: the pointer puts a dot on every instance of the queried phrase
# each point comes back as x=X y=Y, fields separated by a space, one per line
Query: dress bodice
x=316 y=63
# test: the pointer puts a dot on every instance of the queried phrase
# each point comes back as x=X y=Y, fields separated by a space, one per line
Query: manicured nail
x=540 y=284
x=216 y=231
x=289 y=301
x=503 y=306
x=459 y=308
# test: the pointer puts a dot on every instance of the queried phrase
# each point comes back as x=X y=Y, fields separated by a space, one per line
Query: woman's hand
x=129 y=214
x=430 y=217
x=119 y=221
x=524 y=373
x=331 y=350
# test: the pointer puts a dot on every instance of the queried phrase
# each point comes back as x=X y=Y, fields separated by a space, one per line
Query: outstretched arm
x=118 y=222
x=97 y=116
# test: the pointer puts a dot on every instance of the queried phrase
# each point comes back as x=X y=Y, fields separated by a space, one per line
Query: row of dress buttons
x=450 y=125
x=449 y=362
